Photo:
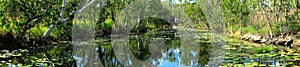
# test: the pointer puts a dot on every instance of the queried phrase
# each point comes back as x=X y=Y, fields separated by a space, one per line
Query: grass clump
x=263 y=49
x=256 y=29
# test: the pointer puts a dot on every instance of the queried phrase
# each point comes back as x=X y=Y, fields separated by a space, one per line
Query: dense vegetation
x=23 y=23
x=261 y=16
x=29 y=19
x=26 y=21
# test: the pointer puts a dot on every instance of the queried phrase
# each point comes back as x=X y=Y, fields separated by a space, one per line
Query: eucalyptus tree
x=21 y=16
x=195 y=12
x=109 y=12
x=62 y=19
x=287 y=15
x=236 y=12
x=266 y=6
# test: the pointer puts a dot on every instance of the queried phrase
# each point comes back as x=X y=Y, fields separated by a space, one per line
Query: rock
x=264 y=40
x=296 y=45
x=253 y=38
x=246 y=37
x=298 y=35
x=256 y=38
x=280 y=42
x=289 y=42
x=272 y=41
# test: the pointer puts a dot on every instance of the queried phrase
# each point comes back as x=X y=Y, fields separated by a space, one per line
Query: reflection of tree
x=107 y=57
x=139 y=45
x=151 y=23
x=195 y=49
x=204 y=53
x=172 y=51
x=144 y=46
x=85 y=54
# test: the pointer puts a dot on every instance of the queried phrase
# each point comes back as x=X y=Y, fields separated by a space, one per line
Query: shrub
x=263 y=49
x=37 y=31
x=107 y=24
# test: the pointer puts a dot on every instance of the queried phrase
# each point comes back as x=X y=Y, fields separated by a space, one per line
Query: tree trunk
x=267 y=20
x=240 y=21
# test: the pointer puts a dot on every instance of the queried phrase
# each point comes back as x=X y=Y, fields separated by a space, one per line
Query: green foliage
x=33 y=17
x=83 y=24
x=107 y=24
x=277 y=27
x=263 y=49
x=55 y=51
x=4 y=30
x=195 y=13
x=235 y=11
x=37 y=31
x=255 y=30
x=258 y=30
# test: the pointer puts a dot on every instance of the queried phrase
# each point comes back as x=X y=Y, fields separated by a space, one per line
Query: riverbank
x=290 y=40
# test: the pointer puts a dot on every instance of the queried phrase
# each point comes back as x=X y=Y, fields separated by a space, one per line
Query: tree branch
x=29 y=21
x=61 y=20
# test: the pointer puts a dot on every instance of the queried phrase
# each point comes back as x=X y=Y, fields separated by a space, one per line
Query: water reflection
x=159 y=50
x=86 y=54
x=107 y=56
x=164 y=52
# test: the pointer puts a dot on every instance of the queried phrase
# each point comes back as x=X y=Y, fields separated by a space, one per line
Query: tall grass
x=255 y=29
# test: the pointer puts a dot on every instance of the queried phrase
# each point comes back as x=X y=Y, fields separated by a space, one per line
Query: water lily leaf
x=262 y=65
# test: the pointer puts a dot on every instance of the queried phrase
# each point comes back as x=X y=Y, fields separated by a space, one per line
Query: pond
x=158 y=49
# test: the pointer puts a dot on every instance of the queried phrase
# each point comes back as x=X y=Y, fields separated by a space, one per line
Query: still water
x=167 y=49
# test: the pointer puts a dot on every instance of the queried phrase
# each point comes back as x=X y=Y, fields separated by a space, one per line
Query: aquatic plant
x=263 y=49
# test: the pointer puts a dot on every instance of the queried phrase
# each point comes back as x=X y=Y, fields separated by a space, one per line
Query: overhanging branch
x=62 y=20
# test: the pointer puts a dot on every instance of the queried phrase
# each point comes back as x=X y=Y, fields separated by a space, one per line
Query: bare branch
x=63 y=9
x=85 y=6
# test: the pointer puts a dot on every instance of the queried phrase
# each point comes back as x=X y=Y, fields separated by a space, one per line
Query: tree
x=194 y=11
x=21 y=16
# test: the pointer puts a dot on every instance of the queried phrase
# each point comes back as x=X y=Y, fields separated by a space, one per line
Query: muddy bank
x=286 y=39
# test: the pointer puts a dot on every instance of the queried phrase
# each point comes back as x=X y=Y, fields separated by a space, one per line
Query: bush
x=37 y=31
x=263 y=49
x=107 y=24
x=3 y=30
